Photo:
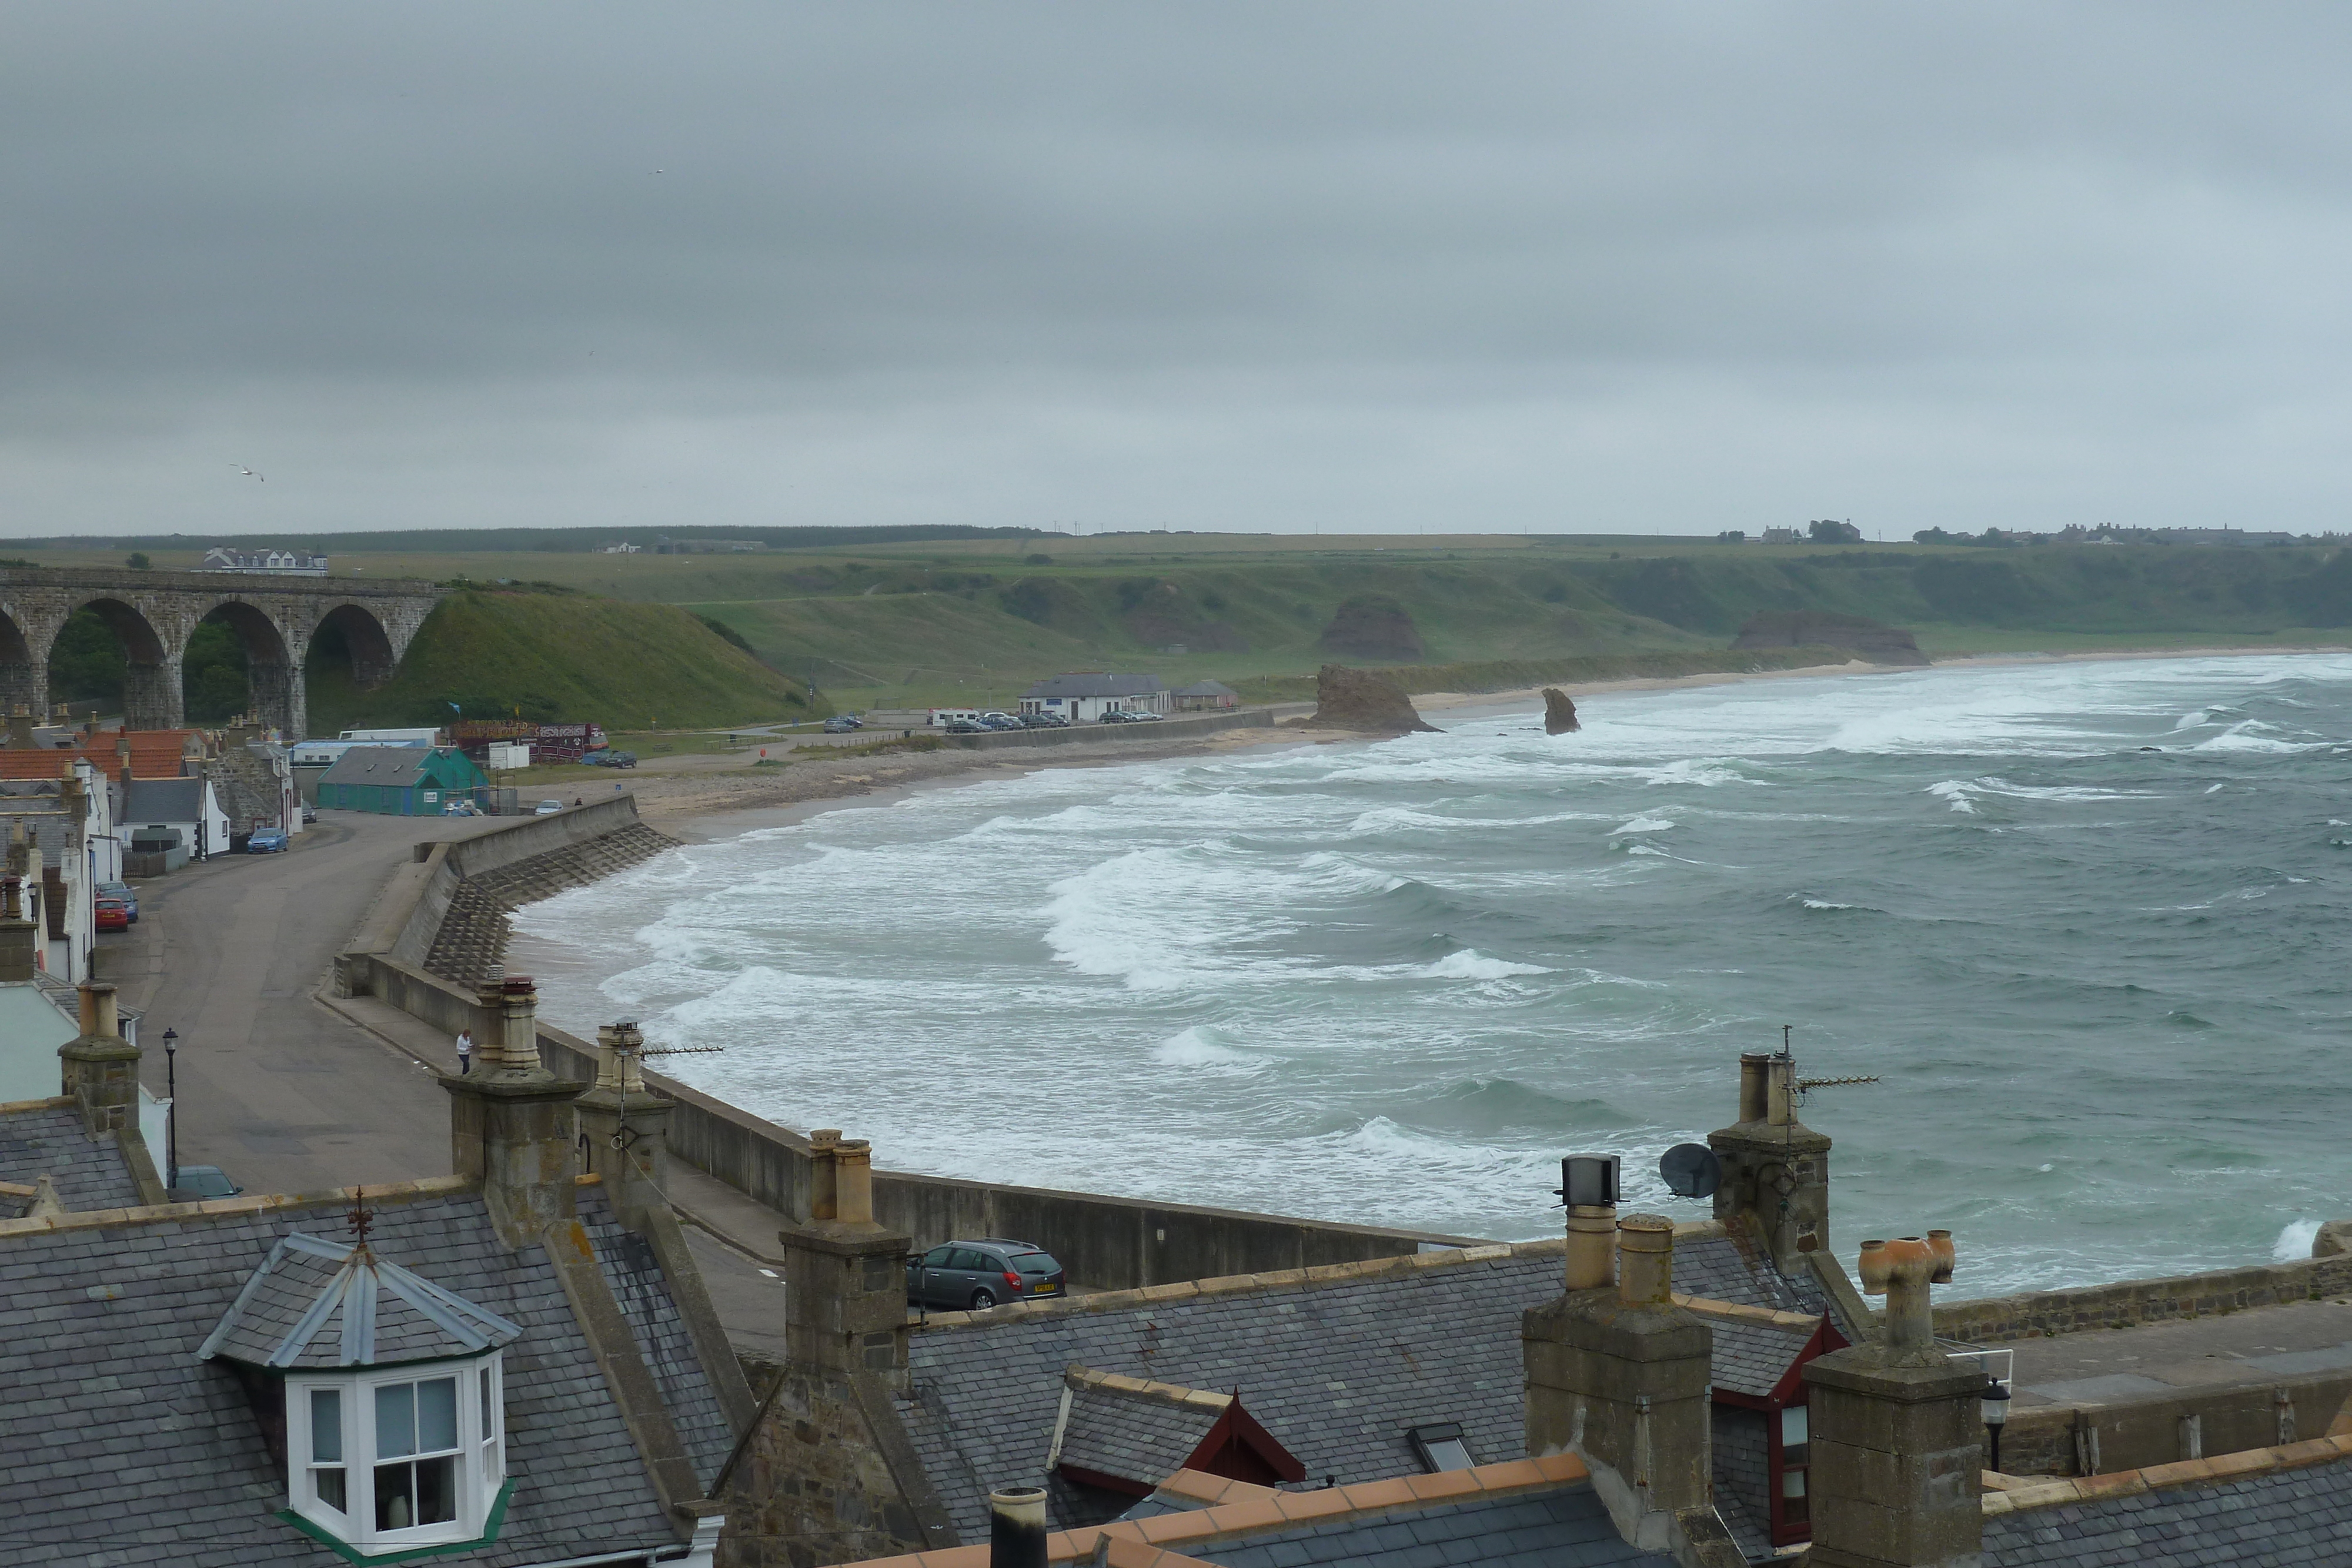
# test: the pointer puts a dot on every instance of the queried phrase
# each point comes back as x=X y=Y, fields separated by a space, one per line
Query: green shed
x=400 y=780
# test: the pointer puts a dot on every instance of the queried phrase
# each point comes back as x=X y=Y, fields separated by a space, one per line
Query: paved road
x=273 y=1087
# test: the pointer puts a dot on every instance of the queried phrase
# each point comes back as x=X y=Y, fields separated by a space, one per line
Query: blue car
x=269 y=840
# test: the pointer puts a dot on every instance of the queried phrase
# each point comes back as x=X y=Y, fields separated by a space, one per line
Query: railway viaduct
x=154 y=614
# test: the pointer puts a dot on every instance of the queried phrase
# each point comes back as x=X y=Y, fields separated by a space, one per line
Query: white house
x=278 y=562
x=1084 y=698
x=190 y=806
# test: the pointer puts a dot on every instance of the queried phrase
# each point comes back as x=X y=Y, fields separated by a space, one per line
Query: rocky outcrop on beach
x=1372 y=626
x=1363 y=700
x=1827 y=629
x=1560 y=714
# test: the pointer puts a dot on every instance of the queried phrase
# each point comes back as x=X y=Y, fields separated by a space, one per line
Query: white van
x=943 y=714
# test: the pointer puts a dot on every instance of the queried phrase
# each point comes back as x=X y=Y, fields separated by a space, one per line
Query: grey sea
x=2086 y=922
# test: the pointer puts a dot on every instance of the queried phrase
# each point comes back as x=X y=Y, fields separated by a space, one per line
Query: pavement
x=2257 y=1346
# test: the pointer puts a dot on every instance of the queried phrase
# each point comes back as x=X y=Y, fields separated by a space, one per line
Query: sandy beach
x=714 y=798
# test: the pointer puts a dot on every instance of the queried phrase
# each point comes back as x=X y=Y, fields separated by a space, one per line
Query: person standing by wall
x=465 y=1051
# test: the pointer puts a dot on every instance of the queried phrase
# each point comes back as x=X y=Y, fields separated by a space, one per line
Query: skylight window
x=1441 y=1447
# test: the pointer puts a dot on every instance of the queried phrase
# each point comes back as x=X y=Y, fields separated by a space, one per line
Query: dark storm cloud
x=1666 y=266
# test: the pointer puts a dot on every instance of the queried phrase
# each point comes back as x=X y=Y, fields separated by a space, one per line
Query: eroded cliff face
x=1826 y=629
x=1363 y=700
x=1560 y=713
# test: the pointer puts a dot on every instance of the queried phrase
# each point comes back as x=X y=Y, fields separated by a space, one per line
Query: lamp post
x=172 y=1107
x=1996 y=1413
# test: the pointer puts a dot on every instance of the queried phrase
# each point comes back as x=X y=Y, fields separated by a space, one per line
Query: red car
x=113 y=915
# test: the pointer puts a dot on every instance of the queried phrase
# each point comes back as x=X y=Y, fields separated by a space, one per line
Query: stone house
x=1206 y=696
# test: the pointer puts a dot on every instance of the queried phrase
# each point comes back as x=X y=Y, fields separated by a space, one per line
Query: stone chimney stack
x=1774 y=1167
x=845 y=1276
x=20 y=728
x=624 y=1126
x=511 y=1121
x=1895 y=1432
x=19 y=938
x=1619 y=1375
x=102 y=1068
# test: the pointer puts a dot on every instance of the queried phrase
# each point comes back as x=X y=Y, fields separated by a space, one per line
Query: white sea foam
x=2294 y=1243
x=1203 y=1048
x=1469 y=964
x=1644 y=825
x=1956 y=793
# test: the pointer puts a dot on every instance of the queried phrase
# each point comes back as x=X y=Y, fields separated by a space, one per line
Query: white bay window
x=392 y=1459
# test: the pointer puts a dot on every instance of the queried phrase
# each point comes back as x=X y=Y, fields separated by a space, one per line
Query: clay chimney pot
x=1874 y=1267
x=1940 y=1246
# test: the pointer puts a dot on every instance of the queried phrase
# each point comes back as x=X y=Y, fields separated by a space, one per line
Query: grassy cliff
x=562 y=657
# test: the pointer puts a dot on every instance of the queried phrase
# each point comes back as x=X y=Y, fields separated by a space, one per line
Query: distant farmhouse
x=1082 y=698
x=278 y=562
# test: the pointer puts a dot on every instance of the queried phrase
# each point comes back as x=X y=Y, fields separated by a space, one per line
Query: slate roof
x=1742 y=1456
x=108 y=1400
x=1752 y=1358
x=396 y=767
x=636 y=1276
x=1206 y=689
x=1096 y=686
x=1133 y=1436
x=1336 y=1370
x=2288 y=1519
x=1566 y=1528
x=49 y=1140
x=319 y=1303
x=164 y=800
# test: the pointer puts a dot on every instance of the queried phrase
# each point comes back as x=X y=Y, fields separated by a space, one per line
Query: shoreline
x=706 y=805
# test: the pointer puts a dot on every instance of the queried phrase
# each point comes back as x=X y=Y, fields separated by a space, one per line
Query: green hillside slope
x=562 y=657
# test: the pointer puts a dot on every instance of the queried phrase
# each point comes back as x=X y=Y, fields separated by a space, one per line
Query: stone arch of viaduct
x=156 y=612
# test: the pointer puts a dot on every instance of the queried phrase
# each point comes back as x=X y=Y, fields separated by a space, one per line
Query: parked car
x=1143 y=716
x=1000 y=721
x=113 y=915
x=461 y=808
x=844 y=724
x=121 y=892
x=1043 y=721
x=965 y=727
x=608 y=758
x=266 y=842
x=206 y=1181
x=309 y=815
x=972 y=1276
x=547 y=808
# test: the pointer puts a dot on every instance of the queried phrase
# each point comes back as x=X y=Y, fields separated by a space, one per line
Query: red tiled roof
x=154 y=754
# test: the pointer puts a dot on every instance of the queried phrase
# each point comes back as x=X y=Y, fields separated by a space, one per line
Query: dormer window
x=392 y=1460
x=394 y=1397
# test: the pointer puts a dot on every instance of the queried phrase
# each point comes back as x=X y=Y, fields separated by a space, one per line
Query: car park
x=113 y=915
x=121 y=892
x=972 y=1276
x=1043 y=721
x=965 y=727
x=266 y=841
x=608 y=758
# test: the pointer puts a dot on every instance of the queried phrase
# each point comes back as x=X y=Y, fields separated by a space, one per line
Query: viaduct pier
x=154 y=614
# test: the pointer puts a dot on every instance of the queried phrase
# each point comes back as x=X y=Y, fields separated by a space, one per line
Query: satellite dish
x=1691 y=1170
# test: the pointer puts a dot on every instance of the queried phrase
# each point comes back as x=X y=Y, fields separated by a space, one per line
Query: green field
x=970 y=621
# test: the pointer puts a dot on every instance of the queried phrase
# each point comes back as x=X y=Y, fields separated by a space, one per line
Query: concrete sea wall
x=1105 y=1242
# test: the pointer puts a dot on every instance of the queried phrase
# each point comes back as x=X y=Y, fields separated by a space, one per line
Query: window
x=1441 y=1447
x=1791 y=1452
x=407 y=1458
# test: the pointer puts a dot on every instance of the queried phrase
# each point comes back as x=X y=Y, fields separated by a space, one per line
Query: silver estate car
x=969 y=1276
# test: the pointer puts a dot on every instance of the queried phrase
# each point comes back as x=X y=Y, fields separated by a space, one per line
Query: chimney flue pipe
x=1016 y=1527
x=824 y=1184
x=1587 y=1186
x=853 y=1177
x=1645 y=1261
x=1751 y=1085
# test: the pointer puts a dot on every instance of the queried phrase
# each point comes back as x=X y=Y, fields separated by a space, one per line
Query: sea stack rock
x=1864 y=638
x=1560 y=714
x=1363 y=700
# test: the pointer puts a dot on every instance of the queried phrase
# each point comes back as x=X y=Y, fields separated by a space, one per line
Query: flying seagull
x=248 y=472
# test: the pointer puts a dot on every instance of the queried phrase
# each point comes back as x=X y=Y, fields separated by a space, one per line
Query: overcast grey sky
x=1646 y=266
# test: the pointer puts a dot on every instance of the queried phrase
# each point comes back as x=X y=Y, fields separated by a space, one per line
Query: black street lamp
x=172 y=1107
x=1996 y=1413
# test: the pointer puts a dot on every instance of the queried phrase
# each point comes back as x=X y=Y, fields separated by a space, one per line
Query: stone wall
x=2037 y=1314
x=815 y=1483
x=2056 y=1440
